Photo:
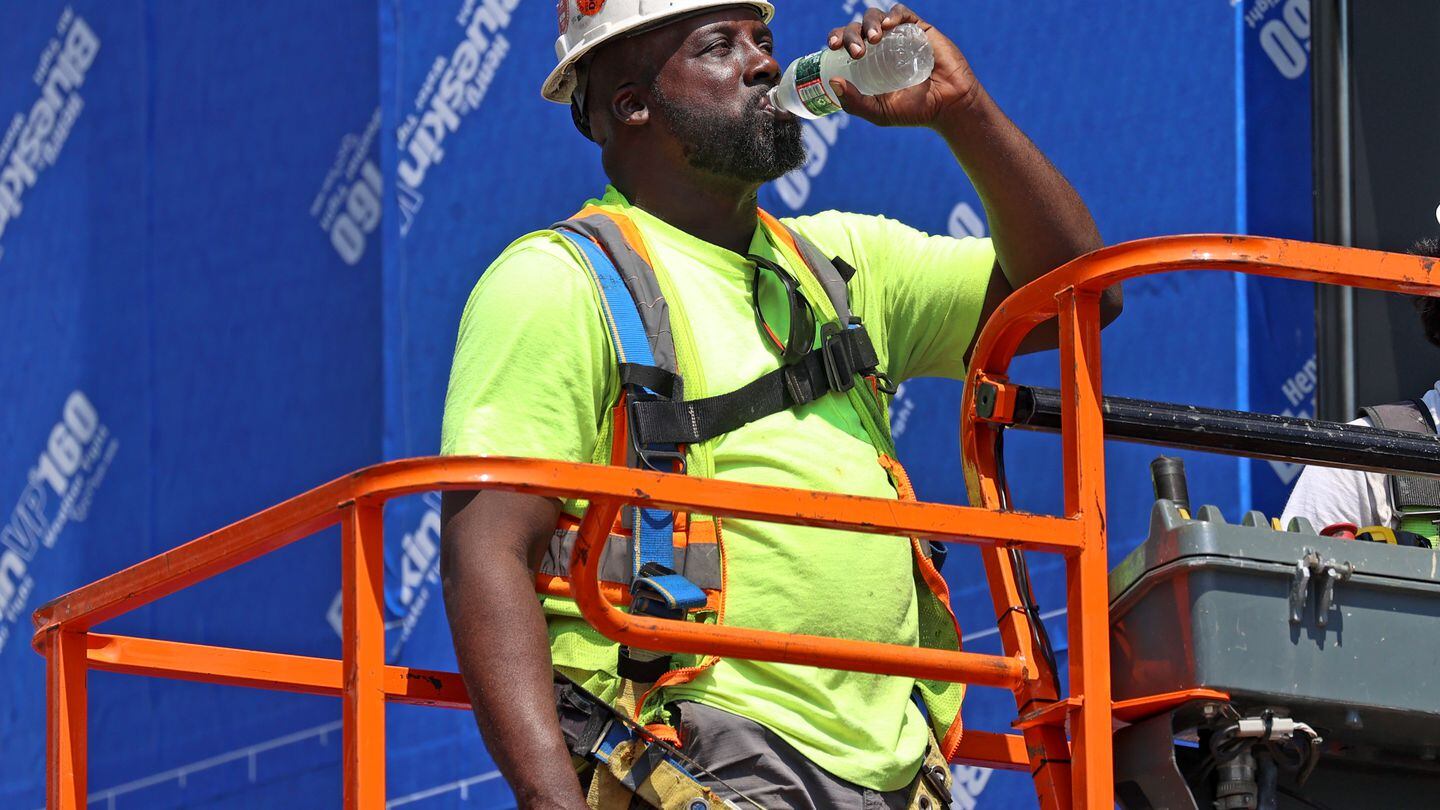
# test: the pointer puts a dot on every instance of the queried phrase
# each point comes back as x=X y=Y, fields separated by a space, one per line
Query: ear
x=629 y=106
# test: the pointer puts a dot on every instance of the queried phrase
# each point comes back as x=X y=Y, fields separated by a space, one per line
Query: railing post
x=66 y=738
x=362 y=585
x=1083 y=440
x=1047 y=746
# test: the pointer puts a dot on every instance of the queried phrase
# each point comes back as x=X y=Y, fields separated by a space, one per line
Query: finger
x=900 y=14
x=872 y=26
x=837 y=39
x=854 y=41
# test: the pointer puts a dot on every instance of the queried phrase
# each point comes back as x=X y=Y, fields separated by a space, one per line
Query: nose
x=762 y=68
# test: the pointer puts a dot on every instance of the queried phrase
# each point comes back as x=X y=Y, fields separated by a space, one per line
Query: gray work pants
x=756 y=762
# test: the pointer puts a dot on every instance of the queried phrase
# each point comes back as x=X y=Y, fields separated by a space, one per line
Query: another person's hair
x=1429 y=307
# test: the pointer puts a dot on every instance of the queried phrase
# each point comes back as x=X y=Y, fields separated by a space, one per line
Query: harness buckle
x=653 y=592
x=839 y=361
x=665 y=458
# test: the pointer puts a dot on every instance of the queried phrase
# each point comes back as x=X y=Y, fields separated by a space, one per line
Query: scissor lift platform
x=1065 y=742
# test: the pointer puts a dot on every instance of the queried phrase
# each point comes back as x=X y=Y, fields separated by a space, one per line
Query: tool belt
x=632 y=765
x=932 y=787
x=627 y=761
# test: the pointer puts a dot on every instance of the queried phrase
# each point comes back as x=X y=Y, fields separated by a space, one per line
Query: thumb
x=851 y=99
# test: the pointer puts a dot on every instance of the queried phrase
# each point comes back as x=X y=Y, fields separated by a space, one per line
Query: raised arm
x=1037 y=220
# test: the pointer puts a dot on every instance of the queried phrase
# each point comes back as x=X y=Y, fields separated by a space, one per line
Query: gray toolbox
x=1347 y=632
x=1341 y=634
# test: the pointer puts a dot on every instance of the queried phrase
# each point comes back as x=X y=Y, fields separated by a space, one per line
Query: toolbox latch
x=1327 y=572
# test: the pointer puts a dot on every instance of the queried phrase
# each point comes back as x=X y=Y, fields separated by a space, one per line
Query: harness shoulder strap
x=1425 y=414
x=866 y=400
x=623 y=318
x=623 y=249
x=1411 y=416
x=656 y=587
x=834 y=274
x=1413 y=495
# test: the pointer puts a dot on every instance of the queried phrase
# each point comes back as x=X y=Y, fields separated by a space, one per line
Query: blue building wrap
x=235 y=242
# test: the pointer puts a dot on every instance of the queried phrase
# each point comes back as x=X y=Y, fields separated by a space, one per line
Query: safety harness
x=1416 y=499
x=671 y=565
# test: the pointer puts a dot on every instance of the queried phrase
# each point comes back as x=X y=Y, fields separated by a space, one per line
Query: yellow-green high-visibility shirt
x=534 y=375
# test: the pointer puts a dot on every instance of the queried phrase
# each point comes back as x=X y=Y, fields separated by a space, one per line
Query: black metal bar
x=1238 y=433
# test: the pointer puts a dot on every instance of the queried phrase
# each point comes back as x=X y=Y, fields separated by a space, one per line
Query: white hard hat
x=586 y=24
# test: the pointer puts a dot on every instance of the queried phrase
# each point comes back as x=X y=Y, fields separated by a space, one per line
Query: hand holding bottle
x=951 y=88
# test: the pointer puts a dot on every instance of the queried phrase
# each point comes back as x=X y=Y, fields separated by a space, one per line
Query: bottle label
x=811 y=88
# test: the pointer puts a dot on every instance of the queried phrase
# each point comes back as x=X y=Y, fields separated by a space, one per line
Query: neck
x=722 y=212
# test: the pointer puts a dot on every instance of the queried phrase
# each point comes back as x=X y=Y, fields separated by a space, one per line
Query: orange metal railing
x=1073 y=771
x=1079 y=774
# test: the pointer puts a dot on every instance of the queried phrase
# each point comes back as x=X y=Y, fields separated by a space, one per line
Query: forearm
x=503 y=652
x=1037 y=219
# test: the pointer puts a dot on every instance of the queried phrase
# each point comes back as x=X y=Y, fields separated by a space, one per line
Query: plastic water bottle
x=903 y=58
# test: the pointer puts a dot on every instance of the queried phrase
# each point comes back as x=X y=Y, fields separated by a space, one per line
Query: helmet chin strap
x=582 y=121
x=577 y=105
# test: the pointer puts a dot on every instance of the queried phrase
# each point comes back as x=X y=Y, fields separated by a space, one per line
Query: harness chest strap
x=659 y=416
x=833 y=367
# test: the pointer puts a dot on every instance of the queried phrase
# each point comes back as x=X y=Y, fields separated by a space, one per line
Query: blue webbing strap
x=654 y=528
x=632 y=345
x=647 y=757
x=615 y=735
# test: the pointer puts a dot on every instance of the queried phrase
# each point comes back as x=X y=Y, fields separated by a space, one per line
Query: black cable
x=1225 y=745
x=1001 y=480
x=1038 y=632
x=1311 y=760
x=1299 y=755
x=1300 y=797
x=1292 y=754
x=1202 y=773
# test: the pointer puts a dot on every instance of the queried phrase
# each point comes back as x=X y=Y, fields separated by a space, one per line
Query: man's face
x=710 y=94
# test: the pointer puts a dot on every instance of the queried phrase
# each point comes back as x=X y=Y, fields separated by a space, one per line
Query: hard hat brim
x=560 y=84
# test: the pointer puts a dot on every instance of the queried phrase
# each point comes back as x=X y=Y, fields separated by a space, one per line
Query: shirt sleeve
x=921 y=295
x=1326 y=496
x=531 y=375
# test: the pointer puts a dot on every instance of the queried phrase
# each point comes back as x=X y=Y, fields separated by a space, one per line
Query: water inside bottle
x=902 y=59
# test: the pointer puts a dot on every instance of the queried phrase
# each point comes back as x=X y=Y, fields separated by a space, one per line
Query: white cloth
x=1327 y=496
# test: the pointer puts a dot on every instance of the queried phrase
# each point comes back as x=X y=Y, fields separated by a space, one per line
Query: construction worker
x=785 y=369
x=1409 y=505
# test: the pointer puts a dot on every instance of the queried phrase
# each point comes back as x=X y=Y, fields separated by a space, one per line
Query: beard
x=755 y=147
